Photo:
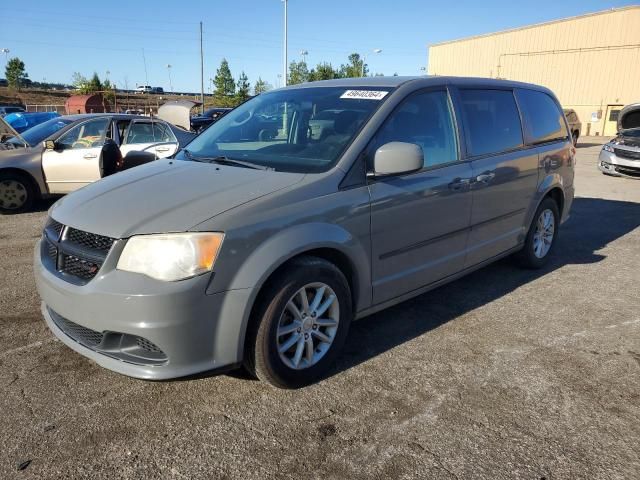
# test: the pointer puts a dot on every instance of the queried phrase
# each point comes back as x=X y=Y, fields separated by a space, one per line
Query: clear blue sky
x=55 y=39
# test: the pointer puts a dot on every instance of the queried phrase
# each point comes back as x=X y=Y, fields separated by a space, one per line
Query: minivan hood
x=165 y=196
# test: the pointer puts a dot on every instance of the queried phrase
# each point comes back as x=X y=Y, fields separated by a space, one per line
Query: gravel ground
x=503 y=374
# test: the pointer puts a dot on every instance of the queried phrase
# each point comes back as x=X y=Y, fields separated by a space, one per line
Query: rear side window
x=492 y=121
x=543 y=116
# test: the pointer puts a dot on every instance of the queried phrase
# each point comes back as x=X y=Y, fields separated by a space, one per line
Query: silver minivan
x=301 y=210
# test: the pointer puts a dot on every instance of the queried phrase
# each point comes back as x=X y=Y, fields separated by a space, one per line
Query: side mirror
x=50 y=145
x=397 y=158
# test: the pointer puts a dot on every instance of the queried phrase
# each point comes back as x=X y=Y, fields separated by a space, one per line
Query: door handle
x=90 y=156
x=459 y=184
x=485 y=177
x=162 y=149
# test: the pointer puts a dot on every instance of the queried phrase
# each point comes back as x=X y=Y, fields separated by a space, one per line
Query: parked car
x=7 y=109
x=259 y=250
x=143 y=89
x=575 y=125
x=66 y=153
x=212 y=115
x=157 y=90
x=4 y=82
x=621 y=156
x=21 y=121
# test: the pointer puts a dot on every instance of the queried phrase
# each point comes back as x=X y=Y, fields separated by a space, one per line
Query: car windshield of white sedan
x=295 y=130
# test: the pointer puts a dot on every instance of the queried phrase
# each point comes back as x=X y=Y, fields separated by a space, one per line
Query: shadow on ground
x=594 y=223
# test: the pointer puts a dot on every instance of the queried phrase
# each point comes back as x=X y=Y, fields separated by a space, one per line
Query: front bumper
x=194 y=331
x=612 y=164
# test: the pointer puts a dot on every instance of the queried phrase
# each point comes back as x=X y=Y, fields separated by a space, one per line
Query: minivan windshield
x=294 y=130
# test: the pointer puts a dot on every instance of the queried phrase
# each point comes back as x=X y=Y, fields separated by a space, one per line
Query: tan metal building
x=591 y=62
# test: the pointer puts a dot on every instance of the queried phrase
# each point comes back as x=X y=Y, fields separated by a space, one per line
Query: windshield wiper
x=221 y=159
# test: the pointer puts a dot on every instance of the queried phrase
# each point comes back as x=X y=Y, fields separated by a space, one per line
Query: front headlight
x=608 y=148
x=172 y=256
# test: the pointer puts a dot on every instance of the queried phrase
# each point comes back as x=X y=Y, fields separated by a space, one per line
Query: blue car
x=21 y=121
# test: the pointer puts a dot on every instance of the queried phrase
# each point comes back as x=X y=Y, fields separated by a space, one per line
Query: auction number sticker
x=364 y=94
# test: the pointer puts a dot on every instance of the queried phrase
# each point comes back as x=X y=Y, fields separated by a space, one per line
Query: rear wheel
x=300 y=325
x=574 y=137
x=541 y=237
x=17 y=193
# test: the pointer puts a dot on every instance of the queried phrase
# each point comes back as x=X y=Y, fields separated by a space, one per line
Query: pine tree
x=223 y=81
x=15 y=73
x=243 y=87
x=260 y=87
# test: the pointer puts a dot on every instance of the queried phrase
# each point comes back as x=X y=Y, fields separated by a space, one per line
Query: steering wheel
x=237 y=123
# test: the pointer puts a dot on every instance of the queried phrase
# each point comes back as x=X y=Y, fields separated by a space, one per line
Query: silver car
x=299 y=211
x=69 y=152
x=621 y=156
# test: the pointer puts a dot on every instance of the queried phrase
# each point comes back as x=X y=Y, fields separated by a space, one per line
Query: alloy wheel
x=543 y=235
x=308 y=326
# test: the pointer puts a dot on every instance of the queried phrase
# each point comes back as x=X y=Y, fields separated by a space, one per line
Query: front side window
x=492 y=121
x=86 y=135
x=543 y=116
x=426 y=120
x=298 y=130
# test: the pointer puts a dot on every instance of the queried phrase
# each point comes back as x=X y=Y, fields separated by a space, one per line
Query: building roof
x=535 y=25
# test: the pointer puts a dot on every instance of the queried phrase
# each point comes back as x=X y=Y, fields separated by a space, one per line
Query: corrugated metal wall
x=590 y=62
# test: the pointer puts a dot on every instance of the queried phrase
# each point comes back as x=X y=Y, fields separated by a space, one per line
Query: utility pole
x=284 y=66
x=201 y=72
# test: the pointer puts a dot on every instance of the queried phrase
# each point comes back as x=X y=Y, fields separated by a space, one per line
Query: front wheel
x=16 y=193
x=300 y=324
x=574 y=137
x=541 y=237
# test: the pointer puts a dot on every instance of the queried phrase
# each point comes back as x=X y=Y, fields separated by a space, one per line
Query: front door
x=76 y=160
x=419 y=221
x=611 y=121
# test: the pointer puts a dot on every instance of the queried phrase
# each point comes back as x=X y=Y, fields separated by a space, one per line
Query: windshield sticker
x=364 y=94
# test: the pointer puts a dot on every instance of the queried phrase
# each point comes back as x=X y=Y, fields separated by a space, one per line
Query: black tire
x=262 y=359
x=21 y=195
x=527 y=257
x=574 y=137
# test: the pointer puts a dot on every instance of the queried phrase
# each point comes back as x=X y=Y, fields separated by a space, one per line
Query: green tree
x=243 y=87
x=298 y=73
x=94 y=85
x=324 y=71
x=355 y=68
x=15 y=73
x=223 y=80
x=260 y=87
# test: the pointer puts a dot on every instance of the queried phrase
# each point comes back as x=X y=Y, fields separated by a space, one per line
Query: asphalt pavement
x=503 y=374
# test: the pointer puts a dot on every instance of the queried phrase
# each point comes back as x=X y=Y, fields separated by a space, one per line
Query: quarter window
x=492 y=121
x=424 y=119
x=542 y=115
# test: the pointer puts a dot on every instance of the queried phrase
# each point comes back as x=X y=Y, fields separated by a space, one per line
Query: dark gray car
x=304 y=208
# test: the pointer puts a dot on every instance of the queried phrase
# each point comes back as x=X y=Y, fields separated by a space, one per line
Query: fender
x=549 y=181
x=285 y=245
